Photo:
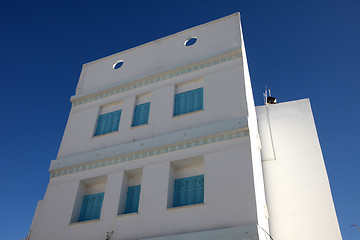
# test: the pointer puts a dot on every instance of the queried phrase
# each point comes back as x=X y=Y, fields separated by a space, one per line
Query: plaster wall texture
x=228 y=182
x=214 y=38
x=221 y=88
x=255 y=148
x=297 y=188
x=229 y=166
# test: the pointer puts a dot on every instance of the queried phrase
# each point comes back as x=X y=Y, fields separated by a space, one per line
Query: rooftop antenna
x=268 y=99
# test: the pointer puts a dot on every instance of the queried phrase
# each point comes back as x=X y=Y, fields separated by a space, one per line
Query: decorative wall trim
x=158 y=78
x=153 y=151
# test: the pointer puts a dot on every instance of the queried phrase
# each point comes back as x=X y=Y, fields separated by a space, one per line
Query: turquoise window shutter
x=189 y=101
x=199 y=99
x=132 y=199
x=197 y=187
x=186 y=200
x=188 y=191
x=177 y=192
x=84 y=208
x=136 y=117
x=192 y=101
x=91 y=207
x=137 y=198
x=146 y=112
x=108 y=122
x=141 y=114
x=97 y=205
x=177 y=105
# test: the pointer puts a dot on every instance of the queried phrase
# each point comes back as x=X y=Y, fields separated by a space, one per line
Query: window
x=130 y=192
x=89 y=199
x=141 y=114
x=132 y=199
x=108 y=122
x=189 y=101
x=188 y=191
x=91 y=207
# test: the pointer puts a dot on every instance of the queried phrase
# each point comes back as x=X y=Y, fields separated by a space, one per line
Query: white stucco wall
x=213 y=39
x=217 y=141
x=255 y=148
x=297 y=188
x=229 y=197
x=221 y=89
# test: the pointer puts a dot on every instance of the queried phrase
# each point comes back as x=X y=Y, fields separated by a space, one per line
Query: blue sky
x=300 y=49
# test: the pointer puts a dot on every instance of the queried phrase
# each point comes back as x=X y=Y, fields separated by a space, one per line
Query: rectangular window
x=141 y=114
x=188 y=191
x=189 y=101
x=91 y=207
x=132 y=199
x=108 y=122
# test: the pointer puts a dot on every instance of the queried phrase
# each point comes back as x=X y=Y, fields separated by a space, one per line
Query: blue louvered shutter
x=177 y=192
x=91 y=207
x=84 y=208
x=198 y=99
x=181 y=103
x=186 y=200
x=108 y=122
x=100 y=125
x=192 y=103
x=201 y=187
x=141 y=114
x=146 y=111
x=97 y=206
x=184 y=102
x=197 y=189
x=136 y=118
x=189 y=101
x=137 y=198
x=177 y=105
x=111 y=127
x=132 y=199
x=188 y=191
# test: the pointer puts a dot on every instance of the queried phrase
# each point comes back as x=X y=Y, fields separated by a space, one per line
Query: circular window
x=118 y=64
x=190 y=41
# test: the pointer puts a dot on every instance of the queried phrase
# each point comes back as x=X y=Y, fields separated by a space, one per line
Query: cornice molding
x=153 y=152
x=157 y=78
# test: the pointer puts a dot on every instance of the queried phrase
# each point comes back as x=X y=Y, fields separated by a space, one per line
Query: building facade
x=162 y=142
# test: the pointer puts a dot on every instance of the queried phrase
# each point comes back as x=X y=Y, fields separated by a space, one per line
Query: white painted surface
x=297 y=188
x=221 y=88
x=229 y=197
x=255 y=151
x=213 y=38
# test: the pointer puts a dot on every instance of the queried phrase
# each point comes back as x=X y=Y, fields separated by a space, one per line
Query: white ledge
x=148 y=147
x=231 y=54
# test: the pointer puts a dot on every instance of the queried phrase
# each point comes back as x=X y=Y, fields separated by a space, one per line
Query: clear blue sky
x=301 y=49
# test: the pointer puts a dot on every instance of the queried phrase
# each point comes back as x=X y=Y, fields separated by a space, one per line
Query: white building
x=162 y=143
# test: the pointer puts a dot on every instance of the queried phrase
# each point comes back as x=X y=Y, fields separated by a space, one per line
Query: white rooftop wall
x=297 y=188
x=213 y=39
